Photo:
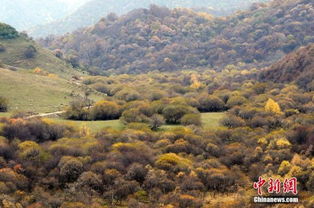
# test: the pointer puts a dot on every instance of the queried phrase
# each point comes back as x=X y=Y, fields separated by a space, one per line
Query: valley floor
x=209 y=120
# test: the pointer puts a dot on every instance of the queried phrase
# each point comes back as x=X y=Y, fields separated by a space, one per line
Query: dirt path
x=45 y=114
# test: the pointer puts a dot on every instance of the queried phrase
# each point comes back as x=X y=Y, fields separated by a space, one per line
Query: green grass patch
x=44 y=59
x=27 y=91
x=94 y=126
x=5 y=114
x=209 y=120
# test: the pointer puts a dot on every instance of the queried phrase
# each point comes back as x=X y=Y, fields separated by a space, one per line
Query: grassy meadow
x=44 y=59
x=27 y=91
x=209 y=120
x=94 y=126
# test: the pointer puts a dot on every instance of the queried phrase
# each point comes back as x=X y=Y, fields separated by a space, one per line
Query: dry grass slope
x=44 y=59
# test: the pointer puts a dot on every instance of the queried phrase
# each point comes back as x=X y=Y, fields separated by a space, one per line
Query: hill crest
x=18 y=50
x=92 y=11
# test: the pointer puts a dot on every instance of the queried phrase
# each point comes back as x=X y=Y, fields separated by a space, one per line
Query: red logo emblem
x=274 y=185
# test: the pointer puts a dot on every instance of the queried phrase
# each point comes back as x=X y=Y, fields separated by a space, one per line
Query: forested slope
x=92 y=11
x=167 y=40
x=297 y=66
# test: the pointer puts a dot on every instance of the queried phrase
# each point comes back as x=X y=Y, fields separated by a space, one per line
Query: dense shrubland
x=173 y=97
x=162 y=39
x=267 y=131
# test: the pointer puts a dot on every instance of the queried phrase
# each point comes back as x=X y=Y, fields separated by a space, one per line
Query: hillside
x=34 y=12
x=94 y=10
x=17 y=50
x=33 y=92
x=167 y=40
x=297 y=66
x=33 y=78
x=161 y=108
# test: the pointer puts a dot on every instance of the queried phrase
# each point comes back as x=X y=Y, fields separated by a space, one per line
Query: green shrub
x=236 y=100
x=30 y=151
x=186 y=201
x=73 y=146
x=260 y=88
x=158 y=179
x=156 y=121
x=174 y=162
x=191 y=119
x=100 y=87
x=105 y=110
x=218 y=179
x=30 y=52
x=232 y=121
x=128 y=153
x=179 y=146
x=128 y=95
x=77 y=110
x=134 y=116
x=3 y=104
x=13 y=180
x=2 y=48
x=211 y=104
x=70 y=169
x=213 y=149
x=258 y=121
x=90 y=180
x=7 y=32
x=34 y=130
x=137 y=172
x=156 y=95
x=173 y=113
x=291 y=112
x=247 y=112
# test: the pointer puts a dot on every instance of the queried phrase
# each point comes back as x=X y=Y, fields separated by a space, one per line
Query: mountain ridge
x=94 y=10
x=162 y=39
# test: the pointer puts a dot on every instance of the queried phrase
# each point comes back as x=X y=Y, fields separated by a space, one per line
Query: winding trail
x=45 y=114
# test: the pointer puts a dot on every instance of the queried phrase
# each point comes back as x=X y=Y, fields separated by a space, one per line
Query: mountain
x=94 y=10
x=24 y=14
x=19 y=51
x=162 y=39
x=297 y=66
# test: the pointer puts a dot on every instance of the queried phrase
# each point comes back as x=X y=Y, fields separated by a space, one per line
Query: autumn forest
x=178 y=107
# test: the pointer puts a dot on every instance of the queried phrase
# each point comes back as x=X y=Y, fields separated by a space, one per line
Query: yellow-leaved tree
x=205 y=15
x=37 y=70
x=272 y=106
x=195 y=83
